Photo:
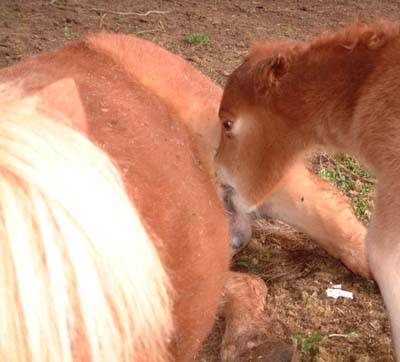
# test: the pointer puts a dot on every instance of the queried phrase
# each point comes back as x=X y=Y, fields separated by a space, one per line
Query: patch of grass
x=353 y=181
x=119 y=19
x=369 y=287
x=266 y=256
x=70 y=33
x=243 y=263
x=288 y=30
x=197 y=38
x=309 y=346
x=251 y=264
x=312 y=298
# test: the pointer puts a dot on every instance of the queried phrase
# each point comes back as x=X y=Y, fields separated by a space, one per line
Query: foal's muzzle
x=239 y=223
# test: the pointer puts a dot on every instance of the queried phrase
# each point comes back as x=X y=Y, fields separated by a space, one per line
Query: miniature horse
x=157 y=117
x=339 y=91
x=139 y=297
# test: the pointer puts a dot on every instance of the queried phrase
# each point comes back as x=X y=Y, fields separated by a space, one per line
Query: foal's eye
x=228 y=125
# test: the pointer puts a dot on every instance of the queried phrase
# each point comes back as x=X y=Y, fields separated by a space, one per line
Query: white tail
x=79 y=277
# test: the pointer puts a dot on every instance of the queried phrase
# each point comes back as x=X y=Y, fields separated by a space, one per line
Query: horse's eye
x=228 y=125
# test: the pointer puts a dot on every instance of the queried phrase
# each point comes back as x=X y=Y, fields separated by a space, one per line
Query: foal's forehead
x=232 y=93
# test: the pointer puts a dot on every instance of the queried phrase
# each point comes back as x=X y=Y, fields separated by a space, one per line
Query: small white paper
x=337 y=286
x=336 y=293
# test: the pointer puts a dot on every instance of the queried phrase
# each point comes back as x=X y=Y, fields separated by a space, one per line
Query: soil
x=296 y=271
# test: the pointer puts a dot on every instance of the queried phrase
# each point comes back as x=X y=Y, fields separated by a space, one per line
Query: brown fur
x=339 y=91
x=313 y=206
x=133 y=124
x=133 y=105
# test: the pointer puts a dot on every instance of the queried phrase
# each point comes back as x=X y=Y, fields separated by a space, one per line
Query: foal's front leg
x=315 y=207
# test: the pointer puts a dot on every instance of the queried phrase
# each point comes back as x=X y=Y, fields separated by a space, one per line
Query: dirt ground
x=295 y=270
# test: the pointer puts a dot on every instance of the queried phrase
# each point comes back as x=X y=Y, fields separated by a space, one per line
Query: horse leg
x=316 y=208
x=247 y=324
x=383 y=244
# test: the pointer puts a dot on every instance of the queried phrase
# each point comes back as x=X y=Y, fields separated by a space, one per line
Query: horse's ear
x=63 y=96
x=268 y=73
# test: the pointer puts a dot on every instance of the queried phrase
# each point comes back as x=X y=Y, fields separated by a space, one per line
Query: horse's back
x=187 y=93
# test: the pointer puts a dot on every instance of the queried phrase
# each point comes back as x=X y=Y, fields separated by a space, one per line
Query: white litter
x=337 y=286
x=337 y=292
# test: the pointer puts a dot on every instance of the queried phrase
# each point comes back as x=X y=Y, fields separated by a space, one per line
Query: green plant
x=252 y=265
x=243 y=263
x=197 y=38
x=266 y=256
x=369 y=287
x=312 y=298
x=119 y=19
x=70 y=34
x=310 y=346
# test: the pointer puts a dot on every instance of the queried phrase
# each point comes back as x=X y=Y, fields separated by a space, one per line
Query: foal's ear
x=268 y=73
x=63 y=96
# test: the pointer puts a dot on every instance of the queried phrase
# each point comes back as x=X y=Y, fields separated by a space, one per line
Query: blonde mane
x=80 y=278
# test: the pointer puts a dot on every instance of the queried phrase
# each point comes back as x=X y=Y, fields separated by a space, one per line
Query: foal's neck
x=324 y=86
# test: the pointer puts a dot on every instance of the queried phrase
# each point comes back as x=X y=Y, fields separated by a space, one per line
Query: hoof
x=271 y=352
x=264 y=352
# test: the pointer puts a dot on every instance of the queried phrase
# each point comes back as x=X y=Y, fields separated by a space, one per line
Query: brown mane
x=360 y=34
x=360 y=38
x=370 y=35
